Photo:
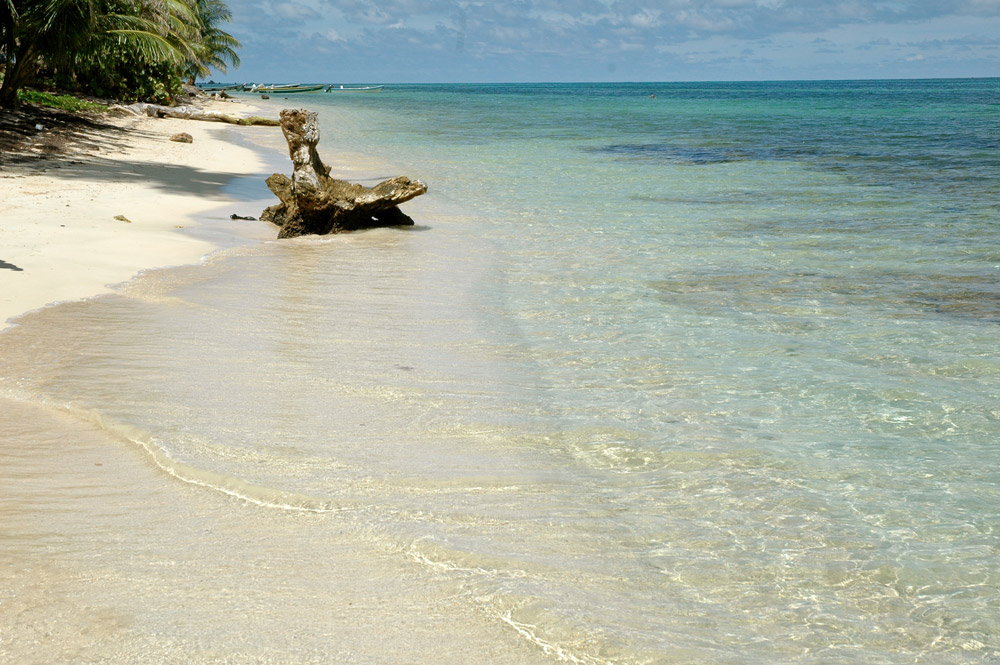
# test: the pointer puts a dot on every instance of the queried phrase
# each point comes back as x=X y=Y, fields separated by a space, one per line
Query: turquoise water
x=665 y=373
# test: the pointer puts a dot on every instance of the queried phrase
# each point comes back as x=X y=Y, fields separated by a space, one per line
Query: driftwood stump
x=190 y=113
x=314 y=203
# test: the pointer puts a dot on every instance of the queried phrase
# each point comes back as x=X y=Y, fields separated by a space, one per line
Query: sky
x=447 y=41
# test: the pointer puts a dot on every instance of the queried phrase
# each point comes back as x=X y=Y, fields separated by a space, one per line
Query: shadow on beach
x=61 y=133
x=73 y=147
x=10 y=266
x=166 y=177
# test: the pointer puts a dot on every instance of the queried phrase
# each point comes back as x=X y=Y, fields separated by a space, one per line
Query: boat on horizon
x=364 y=88
x=286 y=88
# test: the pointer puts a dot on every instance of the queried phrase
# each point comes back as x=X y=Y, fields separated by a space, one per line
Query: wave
x=260 y=495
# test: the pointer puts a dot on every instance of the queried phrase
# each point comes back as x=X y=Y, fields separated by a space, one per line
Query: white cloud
x=645 y=18
x=295 y=11
x=815 y=38
x=704 y=22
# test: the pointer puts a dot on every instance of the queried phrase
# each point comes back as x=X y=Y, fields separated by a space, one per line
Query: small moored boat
x=364 y=88
x=218 y=87
x=283 y=89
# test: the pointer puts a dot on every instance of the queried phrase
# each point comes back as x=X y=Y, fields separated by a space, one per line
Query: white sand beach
x=61 y=236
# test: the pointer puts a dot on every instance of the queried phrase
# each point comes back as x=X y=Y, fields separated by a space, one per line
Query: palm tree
x=136 y=51
x=217 y=48
x=96 y=36
x=39 y=27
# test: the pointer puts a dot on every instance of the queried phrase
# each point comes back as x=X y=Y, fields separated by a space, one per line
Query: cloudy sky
x=399 y=41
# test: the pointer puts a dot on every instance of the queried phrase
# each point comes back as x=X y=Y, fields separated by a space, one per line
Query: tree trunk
x=8 y=91
x=7 y=25
x=15 y=76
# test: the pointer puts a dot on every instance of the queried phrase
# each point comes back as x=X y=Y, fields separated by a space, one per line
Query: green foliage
x=126 y=75
x=126 y=49
x=65 y=102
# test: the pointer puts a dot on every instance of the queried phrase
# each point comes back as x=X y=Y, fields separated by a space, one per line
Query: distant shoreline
x=63 y=229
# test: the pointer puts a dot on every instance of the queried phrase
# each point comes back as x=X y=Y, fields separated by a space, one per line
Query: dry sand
x=59 y=236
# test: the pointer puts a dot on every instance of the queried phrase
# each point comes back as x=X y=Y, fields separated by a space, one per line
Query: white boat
x=281 y=89
x=364 y=88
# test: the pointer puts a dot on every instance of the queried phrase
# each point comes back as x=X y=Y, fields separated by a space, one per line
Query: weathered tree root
x=314 y=203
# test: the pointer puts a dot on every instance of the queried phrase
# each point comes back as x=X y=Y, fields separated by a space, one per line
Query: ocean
x=694 y=373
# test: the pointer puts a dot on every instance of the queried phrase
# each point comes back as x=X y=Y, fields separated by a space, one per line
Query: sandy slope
x=59 y=236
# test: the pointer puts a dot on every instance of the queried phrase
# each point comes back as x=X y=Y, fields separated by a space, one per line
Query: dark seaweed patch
x=674 y=153
x=974 y=298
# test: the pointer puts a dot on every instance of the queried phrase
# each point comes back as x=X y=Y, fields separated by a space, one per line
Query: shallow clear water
x=705 y=377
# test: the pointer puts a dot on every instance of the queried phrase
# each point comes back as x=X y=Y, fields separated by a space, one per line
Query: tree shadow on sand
x=22 y=142
x=165 y=177
x=73 y=147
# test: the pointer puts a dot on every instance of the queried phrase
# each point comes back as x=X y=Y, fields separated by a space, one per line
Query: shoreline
x=60 y=238
x=107 y=556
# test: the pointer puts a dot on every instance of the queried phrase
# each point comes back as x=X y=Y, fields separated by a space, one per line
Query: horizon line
x=577 y=82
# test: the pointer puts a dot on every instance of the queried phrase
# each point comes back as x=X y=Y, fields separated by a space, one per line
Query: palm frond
x=216 y=48
x=150 y=45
